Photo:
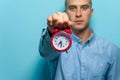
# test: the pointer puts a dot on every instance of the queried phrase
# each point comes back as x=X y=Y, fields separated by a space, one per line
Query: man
x=89 y=57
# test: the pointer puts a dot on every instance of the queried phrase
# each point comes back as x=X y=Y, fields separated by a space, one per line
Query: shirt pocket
x=100 y=70
x=98 y=78
x=99 y=67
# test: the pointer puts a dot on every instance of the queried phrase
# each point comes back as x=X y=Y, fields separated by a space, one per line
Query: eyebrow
x=85 y=5
x=72 y=5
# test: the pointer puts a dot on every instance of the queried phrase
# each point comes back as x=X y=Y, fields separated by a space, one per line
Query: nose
x=78 y=13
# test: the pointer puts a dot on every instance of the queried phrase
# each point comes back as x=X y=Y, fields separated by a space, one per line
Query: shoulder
x=106 y=43
x=111 y=49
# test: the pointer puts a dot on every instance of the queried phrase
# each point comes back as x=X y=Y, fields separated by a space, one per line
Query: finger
x=65 y=17
x=49 y=21
x=60 y=19
x=54 y=17
x=58 y=13
x=70 y=23
x=65 y=20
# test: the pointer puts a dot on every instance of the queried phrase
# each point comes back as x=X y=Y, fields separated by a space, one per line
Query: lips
x=78 y=22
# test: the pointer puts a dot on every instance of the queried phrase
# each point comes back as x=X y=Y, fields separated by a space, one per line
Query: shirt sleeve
x=114 y=70
x=45 y=47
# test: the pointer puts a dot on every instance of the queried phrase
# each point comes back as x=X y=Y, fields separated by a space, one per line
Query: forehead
x=78 y=2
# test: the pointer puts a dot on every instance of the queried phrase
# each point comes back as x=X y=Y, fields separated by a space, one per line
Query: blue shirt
x=97 y=59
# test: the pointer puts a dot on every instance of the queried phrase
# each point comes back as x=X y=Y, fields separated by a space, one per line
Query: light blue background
x=21 y=22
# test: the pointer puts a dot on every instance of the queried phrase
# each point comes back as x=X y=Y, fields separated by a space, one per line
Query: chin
x=79 y=27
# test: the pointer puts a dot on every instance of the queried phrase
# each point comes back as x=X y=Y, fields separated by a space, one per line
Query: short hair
x=66 y=4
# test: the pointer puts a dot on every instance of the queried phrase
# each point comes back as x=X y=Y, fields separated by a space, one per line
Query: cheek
x=71 y=15
x=87 y=16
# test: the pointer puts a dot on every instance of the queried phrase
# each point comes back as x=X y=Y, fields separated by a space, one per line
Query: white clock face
x=61 y=41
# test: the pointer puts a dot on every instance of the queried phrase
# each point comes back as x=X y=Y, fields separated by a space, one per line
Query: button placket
x=82 y=68
x=84 y=74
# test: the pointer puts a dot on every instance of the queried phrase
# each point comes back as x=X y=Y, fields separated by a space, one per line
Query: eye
x=84 y=7
x=72 y=8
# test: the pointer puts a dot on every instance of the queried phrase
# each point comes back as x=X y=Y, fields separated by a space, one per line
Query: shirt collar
x=89 y=41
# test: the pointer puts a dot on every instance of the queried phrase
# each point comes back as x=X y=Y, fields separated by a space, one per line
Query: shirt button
x=101 y=65
x=82 y=68
x=82 y=51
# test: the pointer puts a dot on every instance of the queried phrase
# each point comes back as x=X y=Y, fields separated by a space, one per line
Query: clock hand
x=60 y=43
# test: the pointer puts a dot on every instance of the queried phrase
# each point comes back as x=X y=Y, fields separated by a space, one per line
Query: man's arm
x=45 y=47
x=55 y=20
x=114 y=70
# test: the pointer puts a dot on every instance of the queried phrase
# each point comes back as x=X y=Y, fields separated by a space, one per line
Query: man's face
x=79 y=12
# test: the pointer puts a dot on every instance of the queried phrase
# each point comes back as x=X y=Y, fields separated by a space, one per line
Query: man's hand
x=58 y=19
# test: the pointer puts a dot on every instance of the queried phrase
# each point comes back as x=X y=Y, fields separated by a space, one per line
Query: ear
x=92 y=11
x=65 y=10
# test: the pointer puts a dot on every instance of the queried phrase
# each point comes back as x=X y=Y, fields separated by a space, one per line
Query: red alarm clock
x=61 y=40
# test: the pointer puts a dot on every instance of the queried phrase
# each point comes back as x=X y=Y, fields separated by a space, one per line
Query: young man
x=89 y=57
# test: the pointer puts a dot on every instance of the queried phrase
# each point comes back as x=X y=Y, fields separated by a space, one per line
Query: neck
x=83 y=34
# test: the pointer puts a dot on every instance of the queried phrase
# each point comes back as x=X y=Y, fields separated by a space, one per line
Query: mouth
x=78 y=22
